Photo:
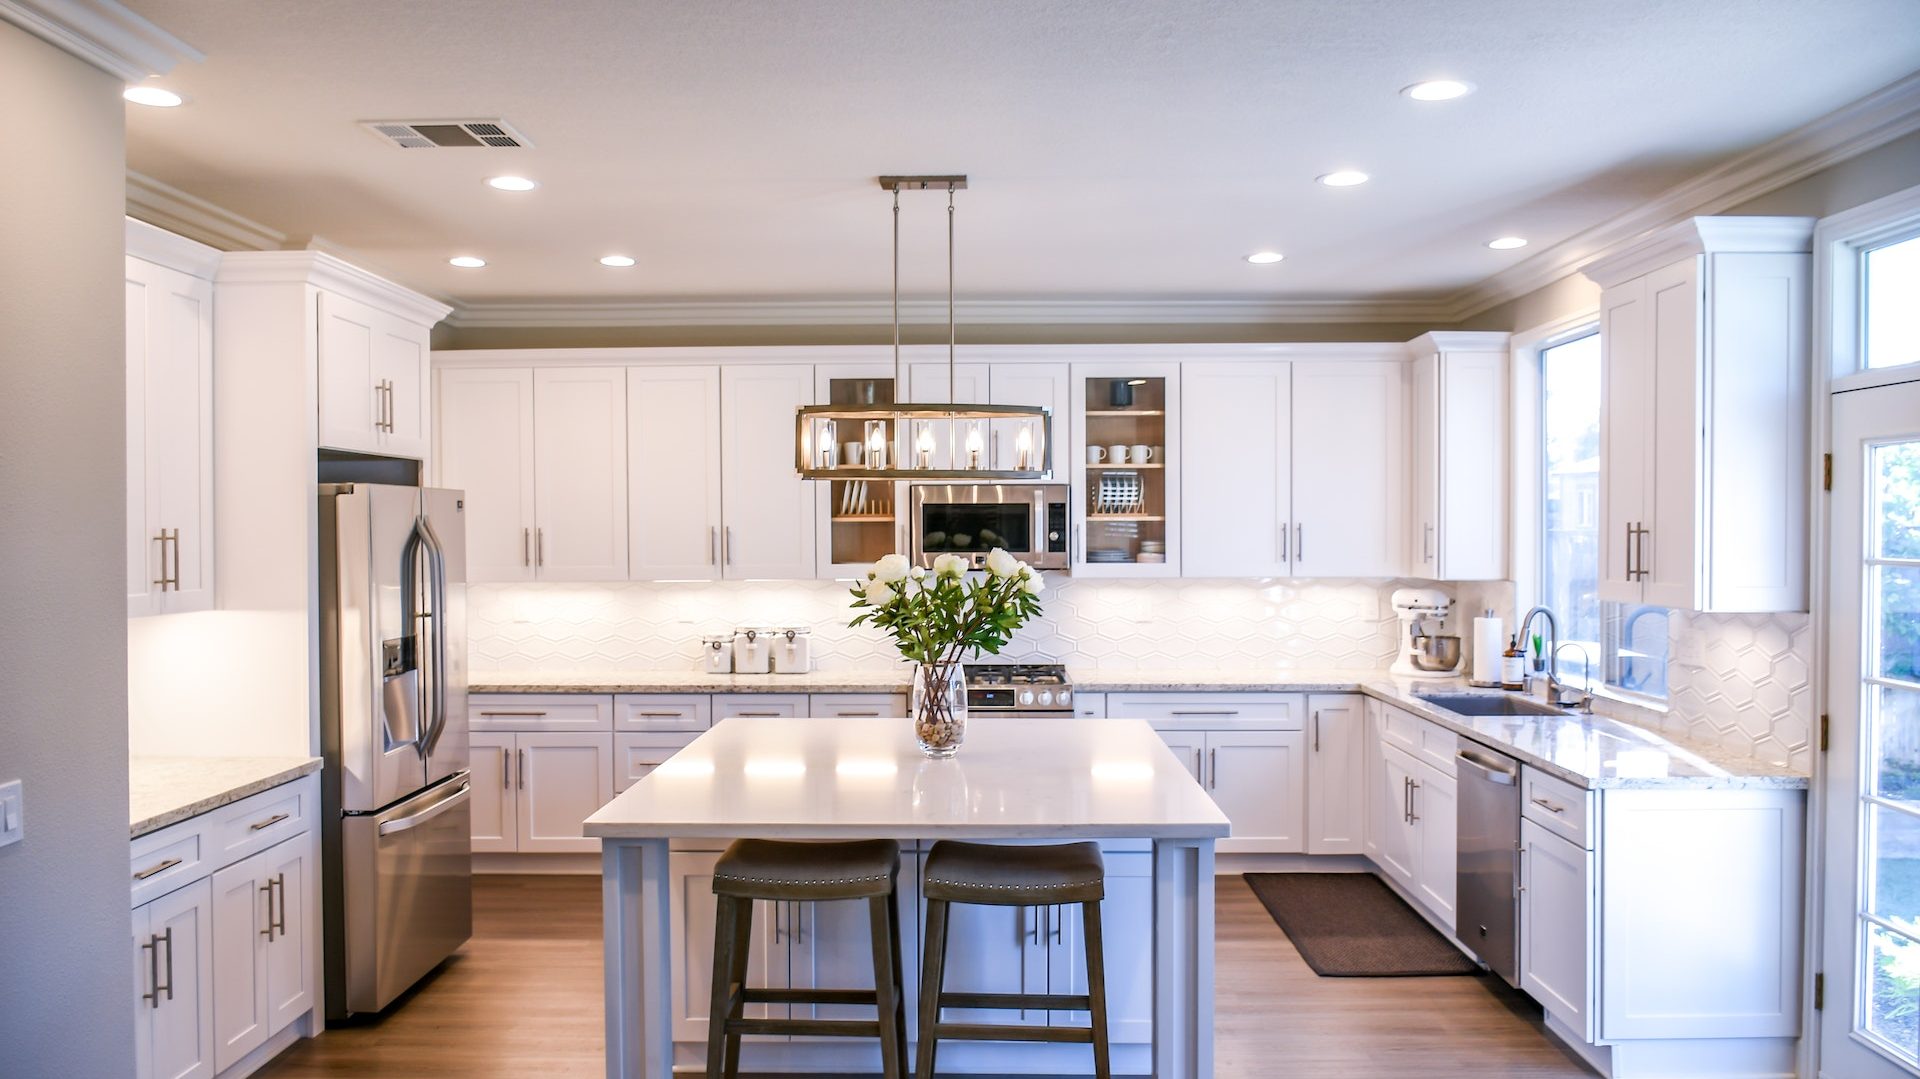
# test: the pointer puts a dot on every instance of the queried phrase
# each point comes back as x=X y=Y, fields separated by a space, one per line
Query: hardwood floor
x=522 y=999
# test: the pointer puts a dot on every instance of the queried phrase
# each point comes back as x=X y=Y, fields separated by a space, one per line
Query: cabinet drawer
x=1090 y=705
x=1438 y=747
x=654 y=712
x=635 y=755
x=539 y=712
x=832 y=705
x=1400 y=727
x=758 y=705
x=1556 y=805
x=258 y=822
x=1177 y=711
x=167 y=859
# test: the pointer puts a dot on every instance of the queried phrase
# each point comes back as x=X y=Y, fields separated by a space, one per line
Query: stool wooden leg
x=900 y=1003
x=725 y=918
x=886 y=991
x=1096 y=988
x=742 y=954
x=932 y=973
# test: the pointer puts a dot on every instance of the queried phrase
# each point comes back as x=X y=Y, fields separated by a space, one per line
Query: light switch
x=12 y=819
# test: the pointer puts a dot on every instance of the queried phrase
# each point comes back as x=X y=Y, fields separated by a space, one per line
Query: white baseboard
x=272 y=1047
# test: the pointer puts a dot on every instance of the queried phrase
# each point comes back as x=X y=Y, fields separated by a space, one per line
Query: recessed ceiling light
x=1507 y=243
x=1344 y=178
x=616 y=260
x=467 y=262
x=511 y=183
x=1265 y=258
x=152 y=95
x=1438 y=90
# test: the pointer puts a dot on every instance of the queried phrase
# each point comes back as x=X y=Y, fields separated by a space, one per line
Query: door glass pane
x=1895 y=717
x=1893 y=995
x=1895 y=868
x=1892 y=310
x=1896 y=590
x=1896 y=476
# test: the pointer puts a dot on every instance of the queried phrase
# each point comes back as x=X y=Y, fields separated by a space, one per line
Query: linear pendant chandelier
x=907 y=441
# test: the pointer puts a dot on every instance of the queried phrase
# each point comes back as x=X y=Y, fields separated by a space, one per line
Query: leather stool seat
x=771 y=869
x=1013 y=876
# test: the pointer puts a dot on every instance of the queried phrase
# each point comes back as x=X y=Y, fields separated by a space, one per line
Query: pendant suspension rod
x=899 y=388
x=952 y=377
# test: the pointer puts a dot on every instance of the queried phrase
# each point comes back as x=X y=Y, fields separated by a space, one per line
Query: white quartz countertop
x=840 y=778
x=167 y=790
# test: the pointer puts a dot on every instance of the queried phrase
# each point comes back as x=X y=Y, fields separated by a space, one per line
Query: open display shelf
x=1126 y=499
x=862 y=512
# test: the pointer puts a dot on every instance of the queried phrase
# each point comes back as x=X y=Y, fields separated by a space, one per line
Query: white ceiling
x=1118 y=148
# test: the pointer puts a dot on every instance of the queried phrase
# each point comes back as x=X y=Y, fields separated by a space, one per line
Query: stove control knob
x=1046 y=698
x=1026 y=696
x=1066 y=697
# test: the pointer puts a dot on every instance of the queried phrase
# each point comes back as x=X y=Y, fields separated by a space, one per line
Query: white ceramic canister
x=716 y=653
x=793 y=650
x=752 y=652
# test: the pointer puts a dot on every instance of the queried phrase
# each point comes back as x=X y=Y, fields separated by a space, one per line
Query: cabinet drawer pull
x=268 y=823
x=516 y=715
x=1226 y=712
x=758 y=715
x=851 y=715
x=155 y=869
x=1549 y=806
x=662 y=715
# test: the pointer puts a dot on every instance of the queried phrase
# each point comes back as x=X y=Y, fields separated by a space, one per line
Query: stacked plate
x=1109 y=554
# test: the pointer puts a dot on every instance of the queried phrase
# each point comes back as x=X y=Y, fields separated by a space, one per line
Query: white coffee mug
x=1095 y=455
x=853 y=453
x=1117 y=454
x=1141 y=454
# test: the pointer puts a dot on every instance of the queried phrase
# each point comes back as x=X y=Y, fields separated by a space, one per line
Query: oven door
x=1027 y=520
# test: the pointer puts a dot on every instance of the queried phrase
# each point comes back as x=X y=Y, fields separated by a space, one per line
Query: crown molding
x=102 y=33
x=1874 y=120
x=1459 y=341
x=1702 y=236
x=195 y=218
x=176 y=252
x=998 y=312
x=333 y=274
x=881 y=356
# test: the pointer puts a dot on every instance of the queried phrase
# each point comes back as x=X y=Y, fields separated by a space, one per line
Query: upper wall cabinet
x=767 y=531
x=542 y=456
x=1126 y=429
x=169 y=315
x=1237 y=456
x=1460 y=411
x=1703 y=448
x=673 y=473
x=373 y=379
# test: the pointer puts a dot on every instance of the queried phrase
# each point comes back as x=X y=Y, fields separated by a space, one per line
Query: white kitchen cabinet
x=173 y=963
x=1125 y=403
x=262 y=976
x=759 y=705
x=1556 y=925
x=691 y=911
x=1397 y=840
x=857 y=705
x=1703 y=452
x=1460 y=410
x=1418 y=818
x=1190 y=748
x=580 y=473
x=1336 y=777
x=1350 y=505
x=169 y=341
x=1237 y=469
x=484 y=446
x=1041 y=385
x=635 y=756
x=1126 y=915
x=495 y=809
x=559 y=781
x=673 y=473
x=1373 y=772
x=372 y=379
x=767 y=510
x=1257 y=780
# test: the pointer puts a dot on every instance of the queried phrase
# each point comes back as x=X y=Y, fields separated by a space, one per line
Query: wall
x=65 y=979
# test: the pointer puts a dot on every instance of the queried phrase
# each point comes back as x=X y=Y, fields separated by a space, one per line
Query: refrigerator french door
x=394 y=733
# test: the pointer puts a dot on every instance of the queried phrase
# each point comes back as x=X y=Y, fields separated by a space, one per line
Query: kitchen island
x=1108 y=780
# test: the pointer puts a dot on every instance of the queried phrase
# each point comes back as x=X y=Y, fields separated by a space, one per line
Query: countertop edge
x=208 y=802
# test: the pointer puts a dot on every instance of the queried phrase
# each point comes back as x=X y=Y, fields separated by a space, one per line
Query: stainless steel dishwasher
x=1487 y=914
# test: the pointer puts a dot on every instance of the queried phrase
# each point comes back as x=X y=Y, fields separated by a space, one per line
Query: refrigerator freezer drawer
x=408 y=890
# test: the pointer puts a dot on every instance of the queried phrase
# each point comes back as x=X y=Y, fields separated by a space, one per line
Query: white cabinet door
x=1126 y=916
x=1191 y=749
x=1395 y=799
x=1435 y=820
x=400 y=352
x=1470 y=538
x=1373 y=772
x=691 y=904
x=560 y=780
x=1556 y=925
x=673 y=473
x=996 y=950
x=175 y=952
x=1667 y=551
x=1236 y=469
x=289 y=978
x=239 y=927
x=767 y=509
x=830 y=946
x=1626 y=431
x=1350 y=498
x=145 y=547
x=1043 y=385
x=1424 y=422
x=495 y=807
x=1255 y=777
x=580 y=473
x=484 y=439
x=1336 y=777
x=169 y=439
x=351 y=401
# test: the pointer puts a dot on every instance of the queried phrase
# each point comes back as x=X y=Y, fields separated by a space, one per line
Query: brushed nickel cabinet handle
x=1640 y=552
x=1286 y=551
x=154 y=870
x=758 y=715
x=1626 y=549
x=167 y=939
x=526 y=546
x=539 y=546
x=856 y=715
x=1212 y=712
x=1299 y=543
x=521 y=758
x=506 y=770
x=713 y=545
x=268 y=823
x=1549 y=806
x=661 y=715
x=268 y=931
x=726 y=545
x=1426 y=544
x=1413 y=800
x=1316 y=730
x=1520 y=874
x=521 y=715
x=1213 y=767
x=278 y=922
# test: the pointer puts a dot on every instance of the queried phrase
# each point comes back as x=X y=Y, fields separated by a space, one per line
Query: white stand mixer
x=1424 y=654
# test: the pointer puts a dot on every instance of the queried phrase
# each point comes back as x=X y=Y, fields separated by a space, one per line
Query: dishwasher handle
x=1503 y=771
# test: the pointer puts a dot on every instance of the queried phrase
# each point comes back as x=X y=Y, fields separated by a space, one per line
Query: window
x=1890 y=314
x=1627 y=644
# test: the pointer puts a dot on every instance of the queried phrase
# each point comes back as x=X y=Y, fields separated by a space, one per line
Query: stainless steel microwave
x=1029 y=520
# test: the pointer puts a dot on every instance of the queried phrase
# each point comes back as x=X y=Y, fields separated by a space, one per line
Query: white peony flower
x=879 y=593
x=889 y=569
x=950 y=565
x=1002 y=564
x=917 y=572
x=1033 y=584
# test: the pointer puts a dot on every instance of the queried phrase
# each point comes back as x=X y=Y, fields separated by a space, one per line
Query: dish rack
x=1119 y=494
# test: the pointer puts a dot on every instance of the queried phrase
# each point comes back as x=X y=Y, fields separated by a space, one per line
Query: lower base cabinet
x=1414 y=820
x=532 y=789
x=261 y=959
x=173 y=983
x=1556 y=925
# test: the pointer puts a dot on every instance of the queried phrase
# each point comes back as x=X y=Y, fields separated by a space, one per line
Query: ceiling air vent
x=440 y=134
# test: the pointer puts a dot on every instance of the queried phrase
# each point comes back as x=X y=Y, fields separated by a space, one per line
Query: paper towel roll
x=1489 y=642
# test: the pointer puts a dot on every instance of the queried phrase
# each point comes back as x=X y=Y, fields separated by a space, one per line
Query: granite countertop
x=895 y=681
x=167 y=790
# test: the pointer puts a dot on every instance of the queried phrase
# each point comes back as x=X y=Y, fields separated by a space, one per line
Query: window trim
x=1840 y=245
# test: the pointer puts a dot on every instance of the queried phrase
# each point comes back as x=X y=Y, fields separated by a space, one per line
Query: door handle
x=1549 y=806
x=153 y=965
x=405 y=824
x=539 y=546
x=279 y=924
x=1520 y=872
x=1639 y=550
x=1413 y=800
x=153 y=870
x=268 y=823
x=521 y=715
x=526 y=546
x=1406 y=800
x=521 y=757
x=713 y=545
x=1213 y=768
x=1299 y=543
x=506 y=770
x=1426 y=544
x=726 y=545
x=268 y=931
x=1316 y=730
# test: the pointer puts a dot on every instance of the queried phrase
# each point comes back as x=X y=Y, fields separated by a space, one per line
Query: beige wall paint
x=65 y=966
x=450 y=337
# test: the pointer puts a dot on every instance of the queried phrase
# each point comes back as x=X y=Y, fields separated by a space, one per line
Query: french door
x=1870 y=1025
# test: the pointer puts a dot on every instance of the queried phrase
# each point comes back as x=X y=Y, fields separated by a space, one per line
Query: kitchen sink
x=1488 y=704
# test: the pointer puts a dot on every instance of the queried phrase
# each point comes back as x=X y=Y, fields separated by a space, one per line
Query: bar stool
x=1012 y=876
x=783 y=872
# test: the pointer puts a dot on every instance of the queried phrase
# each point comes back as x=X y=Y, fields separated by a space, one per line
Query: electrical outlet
x=12 y=813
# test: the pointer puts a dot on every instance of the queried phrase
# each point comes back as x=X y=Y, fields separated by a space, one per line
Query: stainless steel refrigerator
x=393 y=706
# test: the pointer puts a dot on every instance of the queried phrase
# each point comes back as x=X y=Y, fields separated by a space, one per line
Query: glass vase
x=939 y=708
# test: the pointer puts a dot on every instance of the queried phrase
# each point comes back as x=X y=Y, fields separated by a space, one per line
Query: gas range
x=1026 y=689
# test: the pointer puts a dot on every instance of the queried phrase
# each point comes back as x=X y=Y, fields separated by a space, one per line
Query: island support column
x=635 y=894
x=1183 y=958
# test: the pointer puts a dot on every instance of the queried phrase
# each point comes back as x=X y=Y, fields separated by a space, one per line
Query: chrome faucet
x=1585 y=701
x=1554 y=687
